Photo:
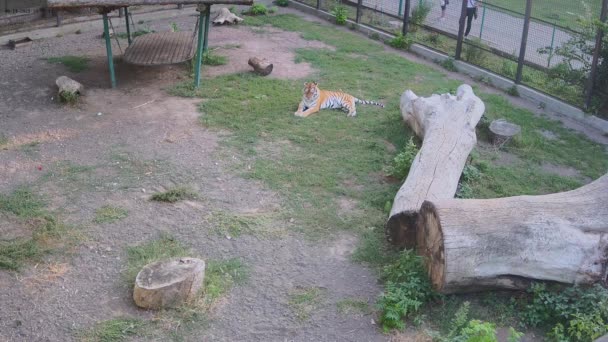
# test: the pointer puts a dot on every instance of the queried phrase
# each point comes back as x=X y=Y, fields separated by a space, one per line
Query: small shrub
x=341 y=14
x=282 y=3
x=513 y=91
x=257 y=9
x=108 y=214
x=174 y=27
x=419 y=15
x=448 y=64
x=406 y=289
x=353 y=26
x=68 y=97
x=374 y=36
x=403 y=160
x=174 y=195
x=78 y=32
x=474 y=53
x=209 y=58
x=232 y=9
x=401 y=42
x=273 y=9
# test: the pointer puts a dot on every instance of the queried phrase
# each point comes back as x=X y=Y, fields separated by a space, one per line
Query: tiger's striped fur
x=315 y=99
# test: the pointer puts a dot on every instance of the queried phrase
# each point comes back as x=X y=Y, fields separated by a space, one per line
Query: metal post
x=199 y=47
x=463 y=15
x=207 y=20
x=524 y=43
x=58 y=17
x=359 y=10
x=406 y=17
x=552 y=46
x=180 y=6
x=106 y=33
x=120 y=12
x=596 y=55
x=318 y=5
x=483 y=20
x=128 y=25
x=400 y=13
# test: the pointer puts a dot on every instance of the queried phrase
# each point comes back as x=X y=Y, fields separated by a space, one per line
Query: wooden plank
x=160 y=48
x=123 y=3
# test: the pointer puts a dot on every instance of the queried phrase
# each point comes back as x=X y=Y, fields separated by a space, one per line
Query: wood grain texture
x=162 y=48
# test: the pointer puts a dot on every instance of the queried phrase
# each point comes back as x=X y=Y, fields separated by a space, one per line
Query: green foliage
x=406 y=289
x=114 y=330
x=341 y=14
x=513 y=91
x=108 y=214
x=574 y=313
x=419 y=14
x=175 y=194
x=47 y=230
x=273 y=9
x=448 y=64
x=282 y=3
x=401 y=42
x=402 y=162
x=374 y=36
x=72 y=63
x=475 y=52
x=232 y=9
x=173 y=26
x=303 y=301
x=209 y=58
x=352 y=306
x=68 y=97
x=221 y=276
x=257 y=9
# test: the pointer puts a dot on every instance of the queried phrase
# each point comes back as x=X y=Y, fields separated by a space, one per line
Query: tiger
x=315 y=99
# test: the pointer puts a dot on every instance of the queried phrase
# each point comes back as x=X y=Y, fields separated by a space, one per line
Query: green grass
x=235 y=225
x=562 y=12
x=164 y=247
x=109 y=214
x=72 y=63
x=3 y=140
x=352 y=306
x=174 y=195
x=210 y=58
x=221 y=276
x=304 y=301
x=48 y=233
x=114 y=330
x=316 y=160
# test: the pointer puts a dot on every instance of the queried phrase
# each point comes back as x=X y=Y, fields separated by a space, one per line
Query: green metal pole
x=483 y=20
x=551 y=51
x=400 y=7
x=106 y=33
x=128 y=25
x=207 y=20
x=199 y=49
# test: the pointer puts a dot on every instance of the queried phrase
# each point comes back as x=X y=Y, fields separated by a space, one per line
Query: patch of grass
x=402 y=162
x=448 y=64
x=304 y=301
x=210 y=58
x=48 y=233
x=30 y=148
x=401 y=42
x=72 y=63
x=109 y=214
x=68 y=97
x=166 y=246
x=115 y=330
x=282 y=3
x=353 y=306
x=3 y=140
x=221 y=276
x=513 y=91
x=235 y=225
x=174 y=195
x=340 y=13
x=373 y=249
x=256 y=9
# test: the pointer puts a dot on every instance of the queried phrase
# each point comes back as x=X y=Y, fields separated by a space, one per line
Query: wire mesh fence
x=559 y=44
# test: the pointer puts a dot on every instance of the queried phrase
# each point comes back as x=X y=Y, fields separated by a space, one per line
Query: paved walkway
x=501 y=30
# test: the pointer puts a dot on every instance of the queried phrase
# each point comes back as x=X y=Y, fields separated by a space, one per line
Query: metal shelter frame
x=107 y=6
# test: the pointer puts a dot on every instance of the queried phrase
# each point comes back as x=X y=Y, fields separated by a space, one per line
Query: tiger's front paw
x=300 y=114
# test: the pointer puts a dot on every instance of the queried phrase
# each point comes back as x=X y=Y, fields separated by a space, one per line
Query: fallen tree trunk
x=260 y=66
x=505 y=243
x=224 y=16
x=446 y=124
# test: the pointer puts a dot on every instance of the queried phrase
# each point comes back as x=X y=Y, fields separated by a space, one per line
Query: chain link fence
x=555 y=55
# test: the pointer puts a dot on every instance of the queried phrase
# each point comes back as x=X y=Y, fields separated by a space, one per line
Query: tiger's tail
x=369 y=102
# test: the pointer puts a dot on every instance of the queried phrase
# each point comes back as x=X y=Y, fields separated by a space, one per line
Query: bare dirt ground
x=119 y=146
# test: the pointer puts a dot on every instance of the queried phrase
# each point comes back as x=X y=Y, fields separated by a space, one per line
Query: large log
x=503 y=243
x=124 y=3
x=224 y=16
x=168 y=283
x=260 y=66
x=446 y=123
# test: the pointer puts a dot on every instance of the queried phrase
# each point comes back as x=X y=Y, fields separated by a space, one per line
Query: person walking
x=471 y=13
x=443 y=4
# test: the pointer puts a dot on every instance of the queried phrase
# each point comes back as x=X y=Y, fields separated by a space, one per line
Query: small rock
x=99 y=114
x=143 y=190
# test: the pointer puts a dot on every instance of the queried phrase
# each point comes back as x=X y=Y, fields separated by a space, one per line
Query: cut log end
x=502 y=131
x=399 y=230
x=429 y=240
x=260 y=66
x=224 y=16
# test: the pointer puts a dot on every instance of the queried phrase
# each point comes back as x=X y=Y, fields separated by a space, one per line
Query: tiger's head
x=311 y=90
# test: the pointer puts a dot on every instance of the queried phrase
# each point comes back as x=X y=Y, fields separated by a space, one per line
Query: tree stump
x=224 y=16
x=260 y=66
x=505 y=243
x=168 y=283
x=447 y=125
x=68 y=85
x=502 y=131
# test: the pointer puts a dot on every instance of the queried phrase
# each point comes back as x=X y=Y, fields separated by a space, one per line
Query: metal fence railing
x=543 y=44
